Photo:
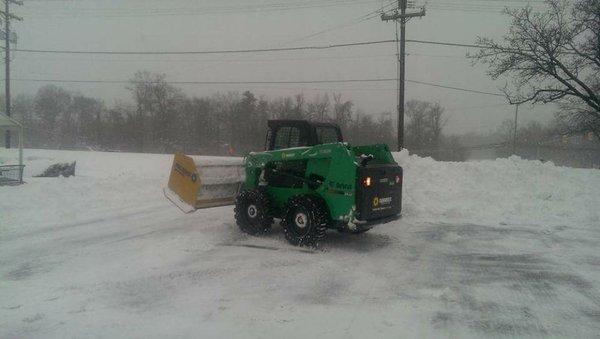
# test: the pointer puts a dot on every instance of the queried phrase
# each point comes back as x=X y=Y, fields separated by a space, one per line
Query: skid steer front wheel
x=252 y=212
x=305 y=220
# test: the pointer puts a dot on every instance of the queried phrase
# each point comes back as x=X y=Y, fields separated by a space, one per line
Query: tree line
x=160 y=118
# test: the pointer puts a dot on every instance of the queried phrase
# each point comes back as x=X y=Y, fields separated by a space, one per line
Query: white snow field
x=505 y=248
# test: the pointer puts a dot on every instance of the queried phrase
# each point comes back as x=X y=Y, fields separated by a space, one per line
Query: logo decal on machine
x=381 y=201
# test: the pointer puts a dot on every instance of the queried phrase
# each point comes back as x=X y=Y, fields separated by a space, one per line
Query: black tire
x=305 y=220
x=252 y=212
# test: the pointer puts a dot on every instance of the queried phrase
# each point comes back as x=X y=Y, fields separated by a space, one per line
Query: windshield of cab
x=327 y=135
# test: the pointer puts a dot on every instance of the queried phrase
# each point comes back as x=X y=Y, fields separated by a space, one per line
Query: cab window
x=327 y=135
x=288 y=137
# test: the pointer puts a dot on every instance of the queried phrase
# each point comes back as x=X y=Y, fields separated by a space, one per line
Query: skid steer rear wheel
x=252 y=212
x=305 y=220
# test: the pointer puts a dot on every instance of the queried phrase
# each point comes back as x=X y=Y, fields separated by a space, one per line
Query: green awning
x=8 y=123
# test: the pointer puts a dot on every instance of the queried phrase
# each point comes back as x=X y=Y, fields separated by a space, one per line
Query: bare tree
x=298 y=110
x=318 y=109
x=506 y=131
x=52 y=107
x=87 y=113
x=425 y=124
x=416 y=112
x=436 y=122
x=424 y=131
x=23 y=108
x=156 y=102
x=282 y=108
x=551 y=56
x=342 y=111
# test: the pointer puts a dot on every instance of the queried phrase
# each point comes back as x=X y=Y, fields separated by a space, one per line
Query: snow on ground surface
x=492 y=248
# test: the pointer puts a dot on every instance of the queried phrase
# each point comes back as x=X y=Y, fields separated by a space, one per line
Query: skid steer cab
x=307 y=177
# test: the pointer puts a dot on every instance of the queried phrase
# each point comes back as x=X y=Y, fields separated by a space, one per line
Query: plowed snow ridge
x=503 y=191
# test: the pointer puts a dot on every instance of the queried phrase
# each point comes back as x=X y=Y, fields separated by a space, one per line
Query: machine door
x=289 y=174
x=282 y=136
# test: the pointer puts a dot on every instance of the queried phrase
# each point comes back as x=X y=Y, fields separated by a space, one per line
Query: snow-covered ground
x=492 y=248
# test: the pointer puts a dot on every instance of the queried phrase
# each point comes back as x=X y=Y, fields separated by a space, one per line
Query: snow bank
x=103 y=181
x=105 y=185
x=501 y=191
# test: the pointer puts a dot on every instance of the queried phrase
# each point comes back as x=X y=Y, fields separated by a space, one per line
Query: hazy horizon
x=186 y=25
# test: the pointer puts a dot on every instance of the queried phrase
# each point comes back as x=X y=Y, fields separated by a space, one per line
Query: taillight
x=398 y=179
x=367 y=181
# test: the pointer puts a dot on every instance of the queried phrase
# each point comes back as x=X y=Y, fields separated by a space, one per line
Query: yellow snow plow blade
x=204 y=182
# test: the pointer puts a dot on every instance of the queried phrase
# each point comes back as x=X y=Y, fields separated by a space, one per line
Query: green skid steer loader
x=307 y=177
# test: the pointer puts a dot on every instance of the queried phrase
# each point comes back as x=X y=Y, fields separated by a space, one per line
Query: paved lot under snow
x=104 y=254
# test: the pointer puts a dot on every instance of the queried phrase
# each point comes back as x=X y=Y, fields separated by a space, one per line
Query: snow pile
x=106 y=185
x=501 y=191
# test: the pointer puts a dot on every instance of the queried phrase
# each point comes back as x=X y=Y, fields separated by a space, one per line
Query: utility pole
x=515 y=129
x=7 y=40
x=402 y=17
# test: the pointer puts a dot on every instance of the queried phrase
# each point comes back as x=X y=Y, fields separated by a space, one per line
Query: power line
x=464 y=108
x=368 y=16
x=165 y=11
x=261 y=7
x=264 y=82
x=211 y=82
x=454 y=88
x=455 y=56
x=481 y=7
x=225 y=60
x=441 y=43
x=258 y=50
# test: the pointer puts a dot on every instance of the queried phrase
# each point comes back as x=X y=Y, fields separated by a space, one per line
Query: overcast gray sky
x=188 y=25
